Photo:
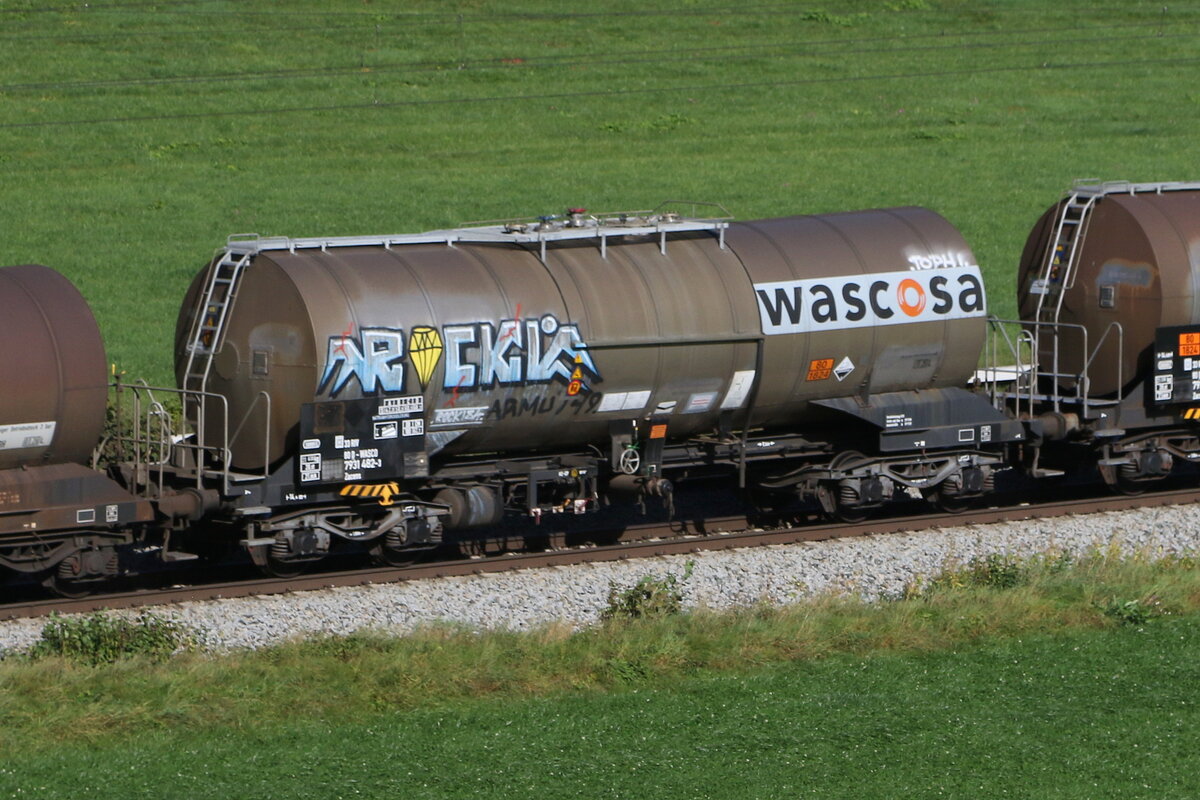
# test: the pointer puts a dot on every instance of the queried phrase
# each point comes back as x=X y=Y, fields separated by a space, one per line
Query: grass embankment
x=134 y=138
x=1002 y=675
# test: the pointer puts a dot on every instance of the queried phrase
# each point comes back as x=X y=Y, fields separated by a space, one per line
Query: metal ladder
x=208 y=332
x=1062 y=256
x=1058 y=272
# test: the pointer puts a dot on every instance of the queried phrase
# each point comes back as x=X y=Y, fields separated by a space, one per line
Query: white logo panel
x=870 y=300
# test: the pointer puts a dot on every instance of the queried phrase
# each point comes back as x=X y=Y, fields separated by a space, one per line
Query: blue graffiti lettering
x=375 y=361
x=536 y=350
x=496 y=366
x=460 y=372
x=566 y=351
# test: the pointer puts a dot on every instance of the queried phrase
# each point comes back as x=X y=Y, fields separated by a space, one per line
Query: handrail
x=157 y=449
x=538 y=230
x=1026 y=392
x=1120 y=349
x=992 y=365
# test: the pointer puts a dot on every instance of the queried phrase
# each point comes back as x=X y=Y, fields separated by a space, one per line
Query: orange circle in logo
x=903 y=291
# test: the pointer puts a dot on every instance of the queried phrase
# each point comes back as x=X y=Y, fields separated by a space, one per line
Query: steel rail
x=648 y=541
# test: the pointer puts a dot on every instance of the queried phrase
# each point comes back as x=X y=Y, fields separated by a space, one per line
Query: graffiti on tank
x=476 y=355
x=543 y=406
x=515 y=352
x=943 y=260
x=375 y=359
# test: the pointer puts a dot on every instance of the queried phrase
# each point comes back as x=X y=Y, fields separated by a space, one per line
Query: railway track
x=643 y=541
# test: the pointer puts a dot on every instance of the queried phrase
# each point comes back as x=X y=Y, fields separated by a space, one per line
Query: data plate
x=1176 y=366
x=359 y=440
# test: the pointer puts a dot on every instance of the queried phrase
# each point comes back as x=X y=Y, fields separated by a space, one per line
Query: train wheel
x=949 y=503
x=65 y=587
x=276 y=568
x=851 y=514
x=1131 y=488
x=401 y=557
x=843 y=508
x=847 y=506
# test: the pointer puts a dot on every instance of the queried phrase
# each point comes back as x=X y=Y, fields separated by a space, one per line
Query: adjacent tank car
x=59 y=518
x=1110 y=308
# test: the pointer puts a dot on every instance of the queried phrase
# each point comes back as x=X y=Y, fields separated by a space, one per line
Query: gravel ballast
x=872 y=567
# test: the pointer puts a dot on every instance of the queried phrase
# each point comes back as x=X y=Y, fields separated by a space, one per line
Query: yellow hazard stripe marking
x=384 y=491
x=1192 y=413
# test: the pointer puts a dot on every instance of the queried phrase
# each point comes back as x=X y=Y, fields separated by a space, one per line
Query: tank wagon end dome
x=53 y=370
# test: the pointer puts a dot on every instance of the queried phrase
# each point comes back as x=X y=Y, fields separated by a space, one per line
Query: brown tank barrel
x=53 y=372
x=508 y=352
x=1138 y=264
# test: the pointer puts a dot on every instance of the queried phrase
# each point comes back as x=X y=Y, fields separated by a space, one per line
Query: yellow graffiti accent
x=384 y=491
x=424 y=351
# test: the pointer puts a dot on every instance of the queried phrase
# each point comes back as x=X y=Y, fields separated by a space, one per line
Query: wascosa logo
x=859 y=301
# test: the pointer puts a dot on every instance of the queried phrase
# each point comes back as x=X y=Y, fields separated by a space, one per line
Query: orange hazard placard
x=1189 y=344
x=820 y=369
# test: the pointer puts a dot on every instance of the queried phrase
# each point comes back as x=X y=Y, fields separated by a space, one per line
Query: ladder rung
x=208 y=327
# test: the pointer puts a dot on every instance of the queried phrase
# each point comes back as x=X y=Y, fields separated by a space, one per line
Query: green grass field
x=1079 y=716
x=1036 y=679
x=134 y=138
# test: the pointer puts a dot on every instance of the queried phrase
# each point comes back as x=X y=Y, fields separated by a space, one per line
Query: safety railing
x=144 y=438
x=1028 y=369
x=575 y=224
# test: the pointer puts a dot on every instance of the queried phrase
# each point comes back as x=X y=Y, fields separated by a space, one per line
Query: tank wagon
x=1110 y=341
x=387 y=389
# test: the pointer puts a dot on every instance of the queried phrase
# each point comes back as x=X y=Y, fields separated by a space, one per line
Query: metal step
x=1042 y=472
x=234 y=477
x=1046 y=398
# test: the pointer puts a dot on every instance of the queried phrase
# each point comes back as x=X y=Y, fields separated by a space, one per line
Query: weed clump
x=1134 y=612
x=993 y=571
x=653 y=596
x=101 y=639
